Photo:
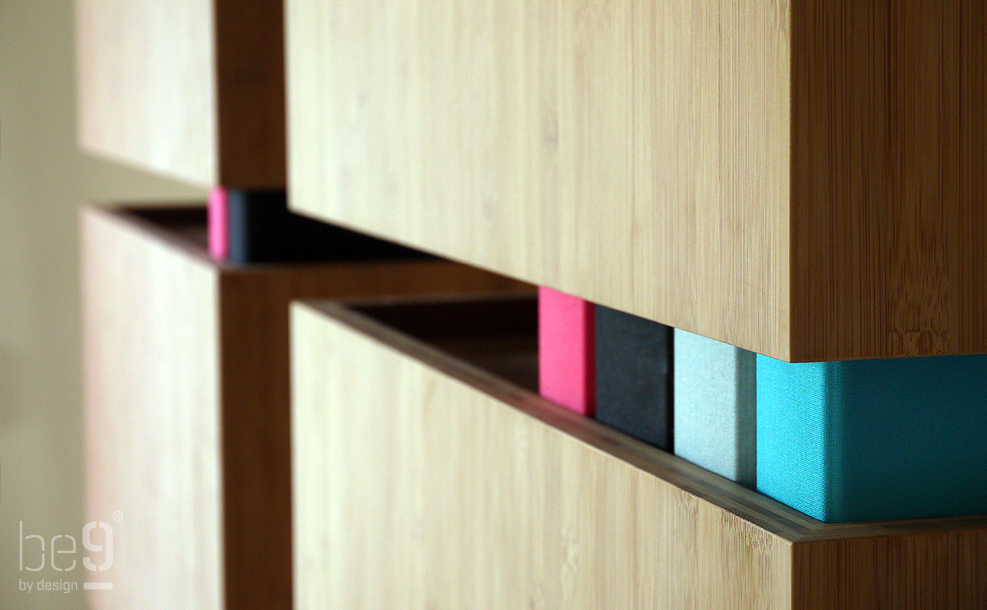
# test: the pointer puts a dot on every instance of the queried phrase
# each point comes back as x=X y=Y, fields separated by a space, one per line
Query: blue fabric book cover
x=715 y=406
x=874 y=439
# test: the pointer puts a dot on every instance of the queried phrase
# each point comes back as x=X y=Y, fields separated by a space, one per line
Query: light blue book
x=874 y=439
x=715 y=422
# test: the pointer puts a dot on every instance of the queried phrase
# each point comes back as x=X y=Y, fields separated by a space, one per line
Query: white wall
x=43 y=179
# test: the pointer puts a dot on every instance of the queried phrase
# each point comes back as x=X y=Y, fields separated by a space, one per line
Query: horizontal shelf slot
x=440 y=399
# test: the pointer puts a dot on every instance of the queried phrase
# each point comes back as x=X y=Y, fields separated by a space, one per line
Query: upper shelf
x=803 y=180
x=191 y=89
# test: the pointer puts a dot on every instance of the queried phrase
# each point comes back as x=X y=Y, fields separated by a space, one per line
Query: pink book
x=219 y=223
x=566 y=346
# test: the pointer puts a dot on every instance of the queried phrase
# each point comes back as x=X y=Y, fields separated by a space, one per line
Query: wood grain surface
x=151 y=384
x=631 y=153
x=449 y=487
x=910 y=571
x=888 y=166
x=191 y=89
x=250 y=93
x=800 y=178
x=187 y=403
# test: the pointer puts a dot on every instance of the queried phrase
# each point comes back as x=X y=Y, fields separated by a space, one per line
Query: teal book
x=870 y=440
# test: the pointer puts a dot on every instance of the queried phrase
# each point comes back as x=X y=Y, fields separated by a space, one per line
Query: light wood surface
x=631 y=153
x=152 y=431
x=187 y=401
x=800 y=178
x=449 y=487
x=191 y=89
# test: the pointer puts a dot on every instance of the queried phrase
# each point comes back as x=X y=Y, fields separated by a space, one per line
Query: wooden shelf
x=186 y=402
x=193 y=90
x=453 y=487
x=803 y=179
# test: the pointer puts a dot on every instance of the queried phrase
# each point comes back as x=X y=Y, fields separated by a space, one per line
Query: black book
x=634 y=376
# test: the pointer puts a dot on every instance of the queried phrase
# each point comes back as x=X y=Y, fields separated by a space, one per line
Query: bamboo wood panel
x=800 y=178
x=447 y=487
x=186 y=402
x=152 y=432
x=888 y=197
x=192 y=89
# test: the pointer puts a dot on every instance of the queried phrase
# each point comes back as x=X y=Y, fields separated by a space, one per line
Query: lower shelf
x=427 y=474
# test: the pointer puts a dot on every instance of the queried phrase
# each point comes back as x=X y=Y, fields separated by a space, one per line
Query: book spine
x=716 y=406
x=870 y=440
x=566 y=345
x=634 y=376
x=218 y=223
